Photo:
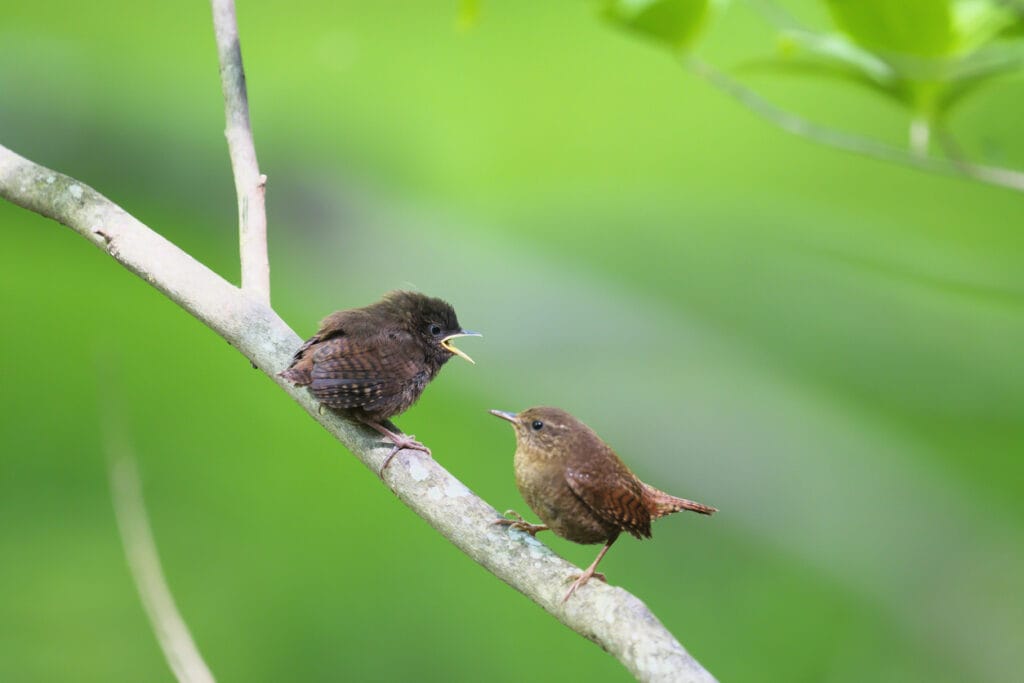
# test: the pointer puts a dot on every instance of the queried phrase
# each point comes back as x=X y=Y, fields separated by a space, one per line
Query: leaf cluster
x=927 y=55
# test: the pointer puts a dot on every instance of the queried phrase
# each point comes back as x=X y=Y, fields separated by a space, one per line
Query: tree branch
x=250 y=184
x=797 y=125
x=611 y=617
x=140 y=550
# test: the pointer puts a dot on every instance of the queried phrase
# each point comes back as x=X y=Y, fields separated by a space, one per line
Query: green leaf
x=920 y=28
x=978 y=22
x=675 y=23
x=832 y=56
x=835 y=50
x=926 y=54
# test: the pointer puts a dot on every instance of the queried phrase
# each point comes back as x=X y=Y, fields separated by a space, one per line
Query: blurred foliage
x=914 y=27
x=469 y=13
x=926 y=54
x=674 y=22
x=824 y=347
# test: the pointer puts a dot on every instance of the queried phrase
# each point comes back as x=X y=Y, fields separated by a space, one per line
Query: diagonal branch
x=611 y=617
x=797 y=125
x=250 y=184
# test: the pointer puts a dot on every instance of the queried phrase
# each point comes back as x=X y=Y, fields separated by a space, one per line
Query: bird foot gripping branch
x=579 y=487
x=580 y=579
x=399 y=440
x=517 y=522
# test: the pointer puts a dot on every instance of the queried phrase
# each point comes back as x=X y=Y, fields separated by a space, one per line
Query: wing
x=365 y=373
x=612 y=492
x=301 y=364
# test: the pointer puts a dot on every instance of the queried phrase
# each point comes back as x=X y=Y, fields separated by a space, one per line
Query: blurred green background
x=827 y=348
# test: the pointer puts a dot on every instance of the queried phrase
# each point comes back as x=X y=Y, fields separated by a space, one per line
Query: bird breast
x=542 y=483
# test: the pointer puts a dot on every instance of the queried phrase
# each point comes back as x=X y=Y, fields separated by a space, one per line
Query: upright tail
x=661 y=503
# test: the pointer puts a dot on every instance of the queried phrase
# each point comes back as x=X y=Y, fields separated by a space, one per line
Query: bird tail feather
x=297 y=375
x=662 y=504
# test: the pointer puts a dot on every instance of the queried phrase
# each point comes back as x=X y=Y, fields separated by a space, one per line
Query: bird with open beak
x=372 y=363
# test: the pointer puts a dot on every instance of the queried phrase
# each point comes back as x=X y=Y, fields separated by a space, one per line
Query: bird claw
x=401 y=441
x=520 y=523
x=581 y=579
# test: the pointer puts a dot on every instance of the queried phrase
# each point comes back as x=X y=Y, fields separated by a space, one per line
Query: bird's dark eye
x=537 y=425
x=435 y=330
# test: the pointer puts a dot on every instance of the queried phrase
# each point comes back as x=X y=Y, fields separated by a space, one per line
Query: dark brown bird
x=578 y=486
x=374 y=362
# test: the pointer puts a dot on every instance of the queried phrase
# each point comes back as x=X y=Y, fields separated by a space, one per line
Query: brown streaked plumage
x=374 y=362
x=579 y=487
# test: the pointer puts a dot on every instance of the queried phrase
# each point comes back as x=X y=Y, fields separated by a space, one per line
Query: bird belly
x=401 y=398
x=551 y=499
x=388 y=400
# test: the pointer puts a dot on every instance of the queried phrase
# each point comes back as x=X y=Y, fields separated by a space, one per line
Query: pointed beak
x=446 y=343
x=511 y=417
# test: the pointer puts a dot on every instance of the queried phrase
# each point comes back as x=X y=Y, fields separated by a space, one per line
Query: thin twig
x=140 y=550
x=610 y=616
x=250 y=184
x=797 y=125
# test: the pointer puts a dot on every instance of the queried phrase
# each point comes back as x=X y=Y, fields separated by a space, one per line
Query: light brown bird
x=579 y=487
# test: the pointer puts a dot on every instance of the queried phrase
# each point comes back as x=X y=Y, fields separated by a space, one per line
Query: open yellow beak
x=446 y=343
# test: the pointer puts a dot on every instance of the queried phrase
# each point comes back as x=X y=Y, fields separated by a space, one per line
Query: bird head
x=545 y=430
x=433 y=320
